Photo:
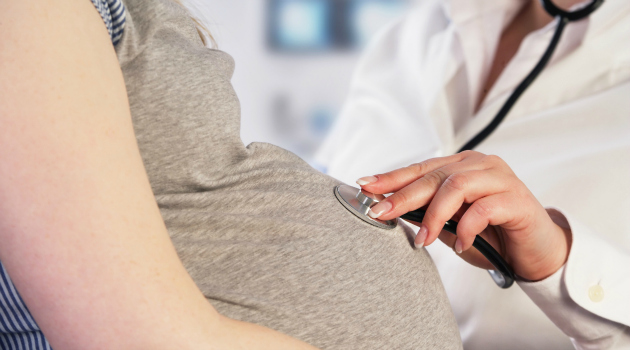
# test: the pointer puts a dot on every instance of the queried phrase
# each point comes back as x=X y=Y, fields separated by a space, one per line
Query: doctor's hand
x=484 y=195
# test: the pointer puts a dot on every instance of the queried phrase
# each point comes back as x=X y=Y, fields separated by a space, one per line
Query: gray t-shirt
x=258 y=229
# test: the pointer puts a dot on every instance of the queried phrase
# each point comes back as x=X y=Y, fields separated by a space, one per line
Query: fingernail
x=366 y=180
x=380 y=209
x=458 y=246
x=422 y=236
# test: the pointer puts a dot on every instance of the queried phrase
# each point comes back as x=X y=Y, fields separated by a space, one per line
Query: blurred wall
x=292 y=80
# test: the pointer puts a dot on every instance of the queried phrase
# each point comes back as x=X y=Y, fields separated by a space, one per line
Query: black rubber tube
x=516 y=94
x=451 y=226
x=480 y=244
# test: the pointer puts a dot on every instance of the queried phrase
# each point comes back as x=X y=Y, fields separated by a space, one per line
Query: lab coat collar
x=479 y=24
x=463 y=11
x=575 y=34
x=607 y=65
x=530 y=52
x=475 y=27
x=610 y=12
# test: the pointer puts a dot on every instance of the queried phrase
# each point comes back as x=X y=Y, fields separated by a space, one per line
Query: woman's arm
x=82 y=236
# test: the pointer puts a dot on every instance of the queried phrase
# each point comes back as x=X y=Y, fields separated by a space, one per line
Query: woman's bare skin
x=81 y=233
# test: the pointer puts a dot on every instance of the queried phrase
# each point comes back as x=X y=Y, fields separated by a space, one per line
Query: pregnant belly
x=273 y=246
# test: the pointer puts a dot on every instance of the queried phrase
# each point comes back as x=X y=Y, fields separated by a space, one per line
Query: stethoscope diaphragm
x=359 y=202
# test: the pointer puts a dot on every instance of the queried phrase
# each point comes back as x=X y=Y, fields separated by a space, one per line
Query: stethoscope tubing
x=563 y=18
x=451 y=226
x=480 y=244
x=520 y=89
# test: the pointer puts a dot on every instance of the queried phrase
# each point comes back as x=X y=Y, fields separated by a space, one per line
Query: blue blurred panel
x=366 y=17
x=300 y=24
x=324 y=25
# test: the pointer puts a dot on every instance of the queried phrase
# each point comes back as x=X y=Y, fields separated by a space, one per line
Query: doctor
x=432 y=81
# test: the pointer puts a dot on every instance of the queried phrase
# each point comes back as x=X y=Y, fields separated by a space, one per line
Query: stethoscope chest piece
x=359 y=202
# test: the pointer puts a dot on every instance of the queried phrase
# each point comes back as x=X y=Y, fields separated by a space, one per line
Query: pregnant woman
x=109 y=144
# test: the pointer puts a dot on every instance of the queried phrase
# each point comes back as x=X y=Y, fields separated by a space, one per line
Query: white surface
x=307 y=82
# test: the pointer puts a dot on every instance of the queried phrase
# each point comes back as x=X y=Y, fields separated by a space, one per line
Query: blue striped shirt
x=113 y=14
x=18 y=329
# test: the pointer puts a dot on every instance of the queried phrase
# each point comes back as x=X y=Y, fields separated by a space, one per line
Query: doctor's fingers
x=420 y=192
x=473 y=256
x=496 y=210
x=457 y=190
x=397 y=179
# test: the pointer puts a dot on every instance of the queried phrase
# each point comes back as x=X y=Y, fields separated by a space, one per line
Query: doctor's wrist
x=560 y=239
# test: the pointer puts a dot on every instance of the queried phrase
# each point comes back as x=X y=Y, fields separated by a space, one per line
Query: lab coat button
x=596 y=293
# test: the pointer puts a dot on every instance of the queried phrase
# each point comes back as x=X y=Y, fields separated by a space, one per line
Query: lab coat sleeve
x=589 y=298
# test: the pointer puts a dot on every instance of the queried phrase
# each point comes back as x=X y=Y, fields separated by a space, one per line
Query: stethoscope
x=359 y=202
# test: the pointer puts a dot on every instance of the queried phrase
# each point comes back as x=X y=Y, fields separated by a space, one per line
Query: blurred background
x=294 y=60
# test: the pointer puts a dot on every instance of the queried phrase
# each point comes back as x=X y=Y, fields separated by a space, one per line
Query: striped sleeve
x=113 y=14
x=18 y=329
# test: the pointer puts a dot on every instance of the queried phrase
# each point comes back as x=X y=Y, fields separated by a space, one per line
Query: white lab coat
x=567 y=138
